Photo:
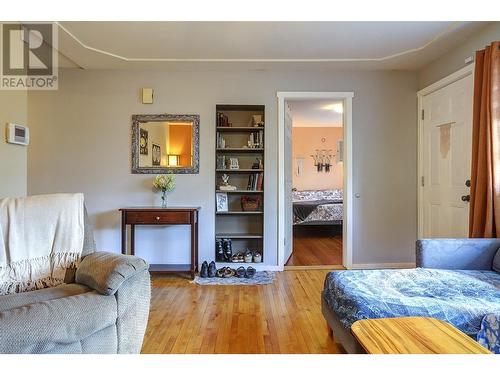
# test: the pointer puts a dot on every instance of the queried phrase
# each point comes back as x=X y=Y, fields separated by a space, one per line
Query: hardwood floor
x=315 y=246
x=283 y=317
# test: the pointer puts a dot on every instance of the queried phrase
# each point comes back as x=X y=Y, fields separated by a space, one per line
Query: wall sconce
x=173 y=160
x=322 y=160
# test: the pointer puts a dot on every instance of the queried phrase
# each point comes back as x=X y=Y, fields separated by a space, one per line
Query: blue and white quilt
x=461 y=298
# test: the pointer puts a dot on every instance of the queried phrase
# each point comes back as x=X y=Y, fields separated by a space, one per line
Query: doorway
x=317 y=181
x=445 y=150
x=315 y=178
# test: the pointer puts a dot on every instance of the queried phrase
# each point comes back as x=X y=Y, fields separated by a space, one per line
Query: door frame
x=347 y=236
x=448 y=80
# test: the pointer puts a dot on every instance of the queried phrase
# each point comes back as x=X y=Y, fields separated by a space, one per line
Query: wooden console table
x=413 y=335
x=162 y=216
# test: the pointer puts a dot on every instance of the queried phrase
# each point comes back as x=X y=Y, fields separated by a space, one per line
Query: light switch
x=147 y=96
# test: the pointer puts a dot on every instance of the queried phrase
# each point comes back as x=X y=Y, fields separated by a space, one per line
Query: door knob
x=158 y=218
x=467 y=183
x=466 y=198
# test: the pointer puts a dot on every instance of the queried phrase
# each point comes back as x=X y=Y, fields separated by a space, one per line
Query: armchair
x=102 y=308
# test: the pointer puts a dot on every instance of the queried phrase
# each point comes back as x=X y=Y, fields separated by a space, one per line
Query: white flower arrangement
x=164 y=182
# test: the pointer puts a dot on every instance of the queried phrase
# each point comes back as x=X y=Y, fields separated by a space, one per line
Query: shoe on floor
x=240 y=272
x=204 y=269
x=229 y=272
x=250 y=272
x=220 y=272
x=212 y=269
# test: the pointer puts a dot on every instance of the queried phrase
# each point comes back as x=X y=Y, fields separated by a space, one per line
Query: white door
x=447 y=149
x=288 y=185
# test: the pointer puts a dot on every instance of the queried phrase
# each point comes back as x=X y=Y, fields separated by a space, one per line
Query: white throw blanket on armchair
x=40 y=237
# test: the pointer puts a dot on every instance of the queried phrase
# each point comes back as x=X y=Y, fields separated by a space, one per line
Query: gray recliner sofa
x=102 y=308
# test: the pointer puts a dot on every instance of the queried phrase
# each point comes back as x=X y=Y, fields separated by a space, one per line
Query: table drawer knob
x=157 y=218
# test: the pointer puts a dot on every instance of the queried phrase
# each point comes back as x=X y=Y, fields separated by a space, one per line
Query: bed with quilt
x=450 y=283
x=318 y=207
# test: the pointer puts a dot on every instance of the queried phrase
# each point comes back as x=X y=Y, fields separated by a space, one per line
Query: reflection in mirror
x=165 y=143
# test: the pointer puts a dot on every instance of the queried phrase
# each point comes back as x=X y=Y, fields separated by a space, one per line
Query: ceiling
x=316 y=113
x=258 y=45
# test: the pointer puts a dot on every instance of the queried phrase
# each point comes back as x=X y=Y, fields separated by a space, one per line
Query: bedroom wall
x=81 y=142
x=13 y=158
x=454 y=60
x=304 y=143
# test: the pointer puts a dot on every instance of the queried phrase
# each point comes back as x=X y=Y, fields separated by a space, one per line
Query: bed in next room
x=318 y=207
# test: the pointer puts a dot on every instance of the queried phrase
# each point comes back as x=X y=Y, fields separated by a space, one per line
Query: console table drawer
x=159 y=217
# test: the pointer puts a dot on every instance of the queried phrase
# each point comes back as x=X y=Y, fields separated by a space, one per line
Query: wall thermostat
x=18 y=134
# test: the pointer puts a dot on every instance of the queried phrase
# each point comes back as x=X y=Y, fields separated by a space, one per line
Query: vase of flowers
x=164 y=183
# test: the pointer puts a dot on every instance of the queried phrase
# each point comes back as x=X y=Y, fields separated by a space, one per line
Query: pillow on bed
x=335 y=195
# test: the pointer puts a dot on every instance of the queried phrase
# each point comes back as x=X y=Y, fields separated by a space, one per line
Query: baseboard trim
x=368 y=266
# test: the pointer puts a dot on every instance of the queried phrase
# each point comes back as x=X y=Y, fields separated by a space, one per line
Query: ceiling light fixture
x=335 y=107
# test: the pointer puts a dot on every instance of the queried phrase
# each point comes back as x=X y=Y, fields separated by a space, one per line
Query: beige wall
x=304 y=143
x=13 y=158
x=81 y=142
x=454 y=60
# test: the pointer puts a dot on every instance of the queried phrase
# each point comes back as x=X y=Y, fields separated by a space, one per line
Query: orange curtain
x=484 y=220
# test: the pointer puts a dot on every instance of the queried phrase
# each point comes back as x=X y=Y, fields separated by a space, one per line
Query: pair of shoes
x=237 y=258
x=248 y=256
x=228 y=249
x=219 y=250
x=225 y=272
x=208 y=270
x=248 y=273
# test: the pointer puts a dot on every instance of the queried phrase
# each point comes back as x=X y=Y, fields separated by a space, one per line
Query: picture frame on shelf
x=233 y=163
x=222 y=202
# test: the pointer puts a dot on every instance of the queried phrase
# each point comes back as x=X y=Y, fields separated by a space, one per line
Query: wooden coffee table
x=413 y=335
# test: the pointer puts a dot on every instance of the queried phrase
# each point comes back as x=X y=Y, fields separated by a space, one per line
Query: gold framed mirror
x=165 y=143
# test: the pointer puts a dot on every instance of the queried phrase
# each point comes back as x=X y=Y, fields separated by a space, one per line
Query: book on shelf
x=222 y=120
x=256 y=139
x=255 y=181
x=260 y=181
x=221 y=162
x=221 y=142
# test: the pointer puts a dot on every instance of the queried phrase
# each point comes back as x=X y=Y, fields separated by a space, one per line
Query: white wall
x=454 y=60
x=81 y=142
x=13 y=158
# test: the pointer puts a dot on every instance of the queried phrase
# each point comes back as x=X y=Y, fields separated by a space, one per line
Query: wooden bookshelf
x=239 y=128
x=238 y=137
x=241 y=170
x=240 y=149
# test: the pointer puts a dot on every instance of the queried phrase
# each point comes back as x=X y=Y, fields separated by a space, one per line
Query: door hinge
x=422 y=181
x=423 y=115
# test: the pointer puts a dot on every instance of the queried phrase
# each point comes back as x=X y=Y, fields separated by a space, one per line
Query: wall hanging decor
x=323 y=160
